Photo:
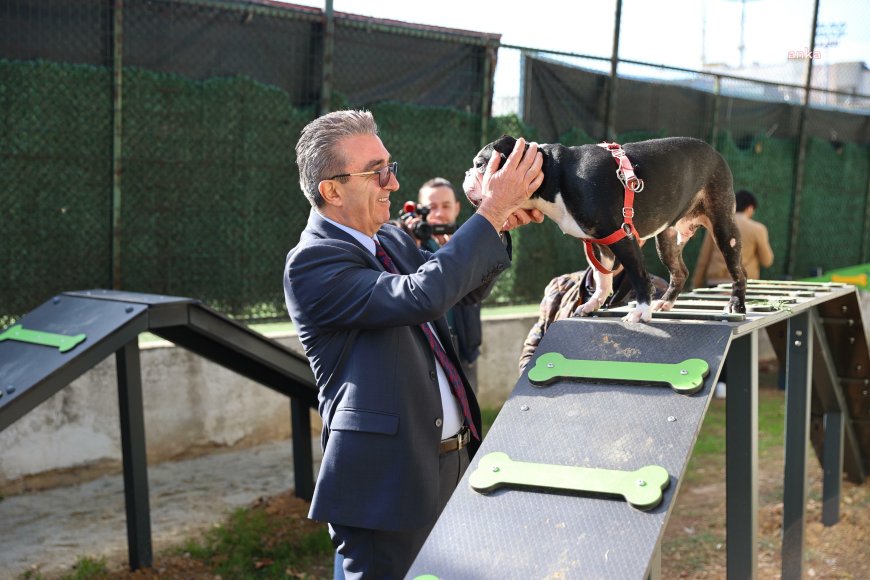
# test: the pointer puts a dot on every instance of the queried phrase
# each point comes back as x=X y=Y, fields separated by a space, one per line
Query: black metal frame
x=191 y=325
x=814 y=398
x=817 y=333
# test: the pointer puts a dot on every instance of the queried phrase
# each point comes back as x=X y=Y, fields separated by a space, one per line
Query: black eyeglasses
x=383 y=173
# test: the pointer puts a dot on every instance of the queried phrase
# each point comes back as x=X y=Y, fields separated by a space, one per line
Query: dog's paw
x=642 y=313
x=589 y=307
x=662 y=306
x=736 y=306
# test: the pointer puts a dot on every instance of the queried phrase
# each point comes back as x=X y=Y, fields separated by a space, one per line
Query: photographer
x=434 y=219
x=431 y=225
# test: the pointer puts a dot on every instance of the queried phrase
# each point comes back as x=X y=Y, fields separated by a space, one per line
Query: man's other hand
x=522 y=217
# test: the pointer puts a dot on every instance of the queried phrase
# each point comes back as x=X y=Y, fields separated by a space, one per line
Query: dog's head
x=473 y=183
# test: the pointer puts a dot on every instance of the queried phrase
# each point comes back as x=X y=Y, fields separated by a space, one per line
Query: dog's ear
x=504 y=145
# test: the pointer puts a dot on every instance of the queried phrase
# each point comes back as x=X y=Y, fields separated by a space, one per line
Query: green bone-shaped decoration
x=684 y=377
x=641 y=488
x=61 y=341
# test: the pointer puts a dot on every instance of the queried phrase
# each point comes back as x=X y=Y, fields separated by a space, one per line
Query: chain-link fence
x=147 y=145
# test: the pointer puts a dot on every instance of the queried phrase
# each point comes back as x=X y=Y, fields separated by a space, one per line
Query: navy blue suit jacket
x=378 y=390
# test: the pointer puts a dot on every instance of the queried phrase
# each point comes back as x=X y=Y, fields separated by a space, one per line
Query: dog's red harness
x=632 y=184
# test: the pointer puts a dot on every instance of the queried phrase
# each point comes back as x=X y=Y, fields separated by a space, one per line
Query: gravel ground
x=49 y=530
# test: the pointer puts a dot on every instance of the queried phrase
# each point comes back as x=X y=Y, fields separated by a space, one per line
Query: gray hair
x=316 y=153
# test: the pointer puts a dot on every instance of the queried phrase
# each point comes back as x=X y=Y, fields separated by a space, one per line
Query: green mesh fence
x=428 y=142
x=210 y=202
x=833 y=204
x=210 y=195
x=55 y=181
x=765 y=166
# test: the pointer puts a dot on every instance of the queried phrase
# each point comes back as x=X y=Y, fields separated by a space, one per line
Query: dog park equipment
x=817 y=331
x=855 y=275
x=58 y=341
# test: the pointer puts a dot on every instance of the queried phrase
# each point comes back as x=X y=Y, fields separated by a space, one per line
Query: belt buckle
x=458 y=441
x=462 y=437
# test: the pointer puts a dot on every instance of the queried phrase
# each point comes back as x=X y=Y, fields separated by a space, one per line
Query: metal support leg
x=833 y=468
x=134 y=458
x=303 y=463
x=741 y=457
x=797 y=428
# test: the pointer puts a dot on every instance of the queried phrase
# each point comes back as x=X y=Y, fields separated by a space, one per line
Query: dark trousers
x=368 y=554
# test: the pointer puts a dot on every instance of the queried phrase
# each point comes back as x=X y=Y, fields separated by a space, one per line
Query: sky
x=671 y=32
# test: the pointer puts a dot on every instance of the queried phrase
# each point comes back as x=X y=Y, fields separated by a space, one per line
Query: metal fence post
x=800 y=159
x=717 y=104
x=328 y=54
x=610 y=107
x=486 y=97
x=117 y=126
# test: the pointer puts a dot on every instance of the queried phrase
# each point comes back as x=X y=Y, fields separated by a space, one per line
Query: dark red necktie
x=449 y=368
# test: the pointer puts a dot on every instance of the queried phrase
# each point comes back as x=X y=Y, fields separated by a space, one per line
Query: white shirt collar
x=367 y=242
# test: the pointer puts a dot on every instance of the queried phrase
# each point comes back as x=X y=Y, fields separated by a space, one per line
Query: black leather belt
x=456 y=442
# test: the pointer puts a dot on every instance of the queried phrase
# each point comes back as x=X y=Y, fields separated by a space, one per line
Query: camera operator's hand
x=411 y=221
x=507 y=189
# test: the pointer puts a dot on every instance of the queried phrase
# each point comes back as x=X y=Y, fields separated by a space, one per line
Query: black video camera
x=423 y=230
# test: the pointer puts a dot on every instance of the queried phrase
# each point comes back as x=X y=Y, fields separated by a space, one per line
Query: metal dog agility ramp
x=530 y=530
x=60 y=340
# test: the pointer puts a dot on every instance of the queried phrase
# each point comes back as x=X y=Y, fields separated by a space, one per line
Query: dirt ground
x=694 y=541
x=290 y=510
x=694 y=544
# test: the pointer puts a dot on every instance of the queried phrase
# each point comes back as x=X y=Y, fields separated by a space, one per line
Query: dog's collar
x=632 y=184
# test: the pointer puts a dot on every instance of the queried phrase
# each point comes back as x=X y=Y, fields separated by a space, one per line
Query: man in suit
x=400 y=420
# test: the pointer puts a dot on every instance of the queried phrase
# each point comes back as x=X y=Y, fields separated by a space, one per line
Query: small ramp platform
x=55 y=343
x=532 y=531
x=108 y=319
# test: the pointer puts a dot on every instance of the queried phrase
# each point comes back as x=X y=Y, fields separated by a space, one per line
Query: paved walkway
x=49 y=530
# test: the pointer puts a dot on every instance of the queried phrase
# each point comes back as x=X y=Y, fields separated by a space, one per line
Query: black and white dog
x=687 y=184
